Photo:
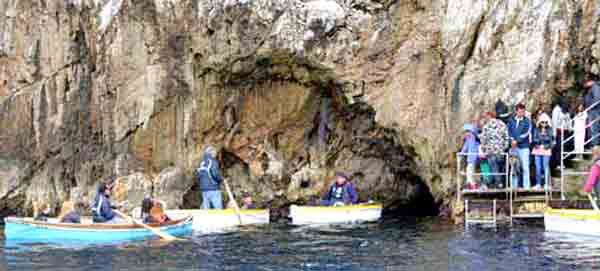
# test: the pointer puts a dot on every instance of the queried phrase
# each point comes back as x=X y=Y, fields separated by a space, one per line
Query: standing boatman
x=209 y=179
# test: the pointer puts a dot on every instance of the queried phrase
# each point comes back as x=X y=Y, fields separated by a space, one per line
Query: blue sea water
x=393 y=244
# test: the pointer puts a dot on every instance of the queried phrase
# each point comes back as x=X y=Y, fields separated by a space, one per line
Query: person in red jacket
x=592 y=184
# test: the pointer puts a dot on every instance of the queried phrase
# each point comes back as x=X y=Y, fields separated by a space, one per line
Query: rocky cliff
x=289 y=90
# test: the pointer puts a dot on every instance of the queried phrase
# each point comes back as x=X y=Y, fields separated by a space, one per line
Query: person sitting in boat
x=209 y=178
x=102 y=208
x=152 y=211
x=45 y=214
x=592 y=185
x=247 y=202
x=68 y=214
x=341 y=192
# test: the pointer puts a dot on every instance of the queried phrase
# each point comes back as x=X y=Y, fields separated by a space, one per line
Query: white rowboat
x=216 y=220
x=307 y=215
x=576 y=221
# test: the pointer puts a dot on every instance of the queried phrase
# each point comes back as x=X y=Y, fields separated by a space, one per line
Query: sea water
x=393 y=244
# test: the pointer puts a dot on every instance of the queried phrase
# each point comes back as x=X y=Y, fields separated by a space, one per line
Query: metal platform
x=469 y=220
x=482 y=191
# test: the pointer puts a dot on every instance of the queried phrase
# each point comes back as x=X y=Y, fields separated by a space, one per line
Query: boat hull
x=19 y=230
x=585 y=222
x=214 y=220
x=307 y=215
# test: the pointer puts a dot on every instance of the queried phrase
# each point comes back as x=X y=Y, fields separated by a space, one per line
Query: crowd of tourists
x=522 y=137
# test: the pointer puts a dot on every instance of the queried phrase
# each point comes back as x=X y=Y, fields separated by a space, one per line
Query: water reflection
x=572 y=249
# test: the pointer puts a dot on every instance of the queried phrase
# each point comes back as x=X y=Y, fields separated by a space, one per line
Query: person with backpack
x=209 y=179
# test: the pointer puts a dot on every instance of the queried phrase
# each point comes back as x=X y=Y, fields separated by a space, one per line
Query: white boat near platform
x=216 y=220
x=307 y=215
x=578 y=221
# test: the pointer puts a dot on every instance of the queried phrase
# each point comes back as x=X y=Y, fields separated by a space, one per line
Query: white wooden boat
x=578 y=221
x=306 y=215
x=216 y=220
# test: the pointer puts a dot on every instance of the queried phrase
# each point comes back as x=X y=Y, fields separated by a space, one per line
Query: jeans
x=212 y=199
x=496 y=162
x=542 y=166
x=470 y=173
x=515 y=180
x=595 y=128
x=524 y=158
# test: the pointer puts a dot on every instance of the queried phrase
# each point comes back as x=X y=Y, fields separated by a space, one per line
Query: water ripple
x=396 y=244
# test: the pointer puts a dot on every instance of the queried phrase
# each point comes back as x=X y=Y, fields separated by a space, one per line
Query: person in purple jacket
x=341 y=192
x=470 y=149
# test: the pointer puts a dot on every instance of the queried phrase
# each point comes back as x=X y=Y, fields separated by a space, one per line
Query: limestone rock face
x=290 y=91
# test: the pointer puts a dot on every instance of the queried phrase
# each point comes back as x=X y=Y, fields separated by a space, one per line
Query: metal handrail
x=563 y=156
x=461 y=173
x=587 y=126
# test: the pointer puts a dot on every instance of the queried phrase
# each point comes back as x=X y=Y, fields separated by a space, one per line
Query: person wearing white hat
x=543 y=141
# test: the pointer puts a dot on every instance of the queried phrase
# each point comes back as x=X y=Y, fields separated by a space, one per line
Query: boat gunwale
x=579 y=213
x=217 y=212
x=339 y=208
x=95 y=226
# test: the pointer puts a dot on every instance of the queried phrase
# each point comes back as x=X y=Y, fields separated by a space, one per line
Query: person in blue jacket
x=102 y=208
x=209 y=179
x=341 y=192
x=519 y=128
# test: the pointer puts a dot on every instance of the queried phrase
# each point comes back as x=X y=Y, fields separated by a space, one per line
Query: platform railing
x=564 y=155
x=462 y=174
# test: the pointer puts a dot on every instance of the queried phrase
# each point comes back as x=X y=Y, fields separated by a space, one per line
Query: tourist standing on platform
x=470 y=149
x=592 y=98
x=502 y=112
x=543 y=141
x=494 y=142
x=519 y=128
x=580 y=128
x=562 y=127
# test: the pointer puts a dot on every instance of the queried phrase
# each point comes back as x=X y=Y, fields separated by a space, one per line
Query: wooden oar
x=236 y=208
x=162 y=235
x=593 y=202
